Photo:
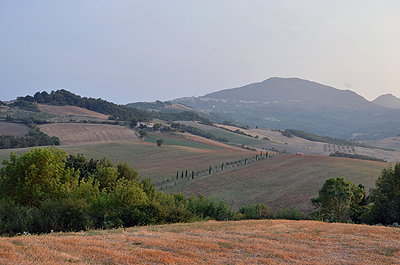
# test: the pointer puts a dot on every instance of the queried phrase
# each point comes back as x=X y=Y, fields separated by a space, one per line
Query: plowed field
x=81 y=133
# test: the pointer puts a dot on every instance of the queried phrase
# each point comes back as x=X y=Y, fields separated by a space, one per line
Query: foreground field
x=236 y=242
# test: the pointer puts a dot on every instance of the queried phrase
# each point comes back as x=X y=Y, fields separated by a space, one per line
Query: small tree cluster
x=342 y=201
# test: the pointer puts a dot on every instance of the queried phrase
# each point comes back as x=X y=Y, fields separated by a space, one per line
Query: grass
x=169 y=140
x=280 y=181
x=236 y=242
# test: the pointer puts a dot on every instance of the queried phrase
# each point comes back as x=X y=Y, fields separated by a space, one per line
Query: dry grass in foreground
x=244 y=242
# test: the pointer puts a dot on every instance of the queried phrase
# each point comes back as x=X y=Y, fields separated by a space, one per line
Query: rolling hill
x=281 y=103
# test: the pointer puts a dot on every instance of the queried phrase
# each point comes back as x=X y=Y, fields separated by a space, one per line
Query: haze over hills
x=281 y=103
x=388 y=100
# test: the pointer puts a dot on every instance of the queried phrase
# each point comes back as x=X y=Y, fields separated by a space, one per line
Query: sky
x=133 y=51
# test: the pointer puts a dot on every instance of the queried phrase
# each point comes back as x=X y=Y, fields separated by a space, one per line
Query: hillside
x=83 y=133
x=280 y=181
x=237 y=242
x=296 y=145
x=388 y=101
x=71 y=111
x=281 y=103
x=14 y=129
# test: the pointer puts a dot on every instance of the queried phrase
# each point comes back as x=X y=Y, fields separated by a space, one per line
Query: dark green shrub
x=209 y=208
x=256 y=211
x=14 y=219
x=292 y=213
x=64 y=215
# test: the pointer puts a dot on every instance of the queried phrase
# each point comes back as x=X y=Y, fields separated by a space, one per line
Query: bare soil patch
x=15 y=129
x=244 y=242
x=81 y=133
x=71 y=110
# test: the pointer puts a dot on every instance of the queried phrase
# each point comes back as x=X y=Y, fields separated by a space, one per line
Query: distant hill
x=388 y=101
x=281 y=103
x=160 y=110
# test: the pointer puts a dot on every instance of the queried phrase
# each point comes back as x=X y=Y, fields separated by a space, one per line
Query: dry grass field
x=82 y=133
x=234 y=242
x=71 y=111
x=15 y=129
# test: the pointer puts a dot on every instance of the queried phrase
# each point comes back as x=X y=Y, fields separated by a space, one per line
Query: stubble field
x=234 y=242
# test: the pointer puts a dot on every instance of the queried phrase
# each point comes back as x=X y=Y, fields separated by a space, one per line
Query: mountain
x=388 y=101
x=281 y=103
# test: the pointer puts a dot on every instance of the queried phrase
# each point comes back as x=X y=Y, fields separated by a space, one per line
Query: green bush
x=292 y=213
x=14 y=218
x=209 y=208
x=64 y=215
x=256 y=211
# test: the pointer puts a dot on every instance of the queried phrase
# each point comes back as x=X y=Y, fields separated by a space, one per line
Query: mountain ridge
x=387 y=100
x=281 y=103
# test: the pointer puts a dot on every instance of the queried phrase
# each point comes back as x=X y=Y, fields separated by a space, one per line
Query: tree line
x=63 y=97
x=46 y=190
x=356 y=156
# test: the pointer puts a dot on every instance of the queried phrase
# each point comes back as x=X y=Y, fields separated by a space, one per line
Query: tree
x=335 y=198
x=35 y=176
x=142 y=133
x=385 y=198
x=160 y=142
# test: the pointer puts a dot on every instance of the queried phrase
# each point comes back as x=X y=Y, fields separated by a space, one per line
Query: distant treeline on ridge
x=63 y=97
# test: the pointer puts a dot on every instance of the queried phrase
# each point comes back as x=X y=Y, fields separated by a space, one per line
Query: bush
x=64 y=215
x=14 y=218
x=256 y=211
x=292 y=213
x=209 y=208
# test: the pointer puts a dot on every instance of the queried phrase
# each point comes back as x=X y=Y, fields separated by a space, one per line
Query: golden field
x=211 y=242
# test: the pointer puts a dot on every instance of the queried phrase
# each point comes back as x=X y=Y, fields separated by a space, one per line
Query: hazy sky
x=129 y=51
